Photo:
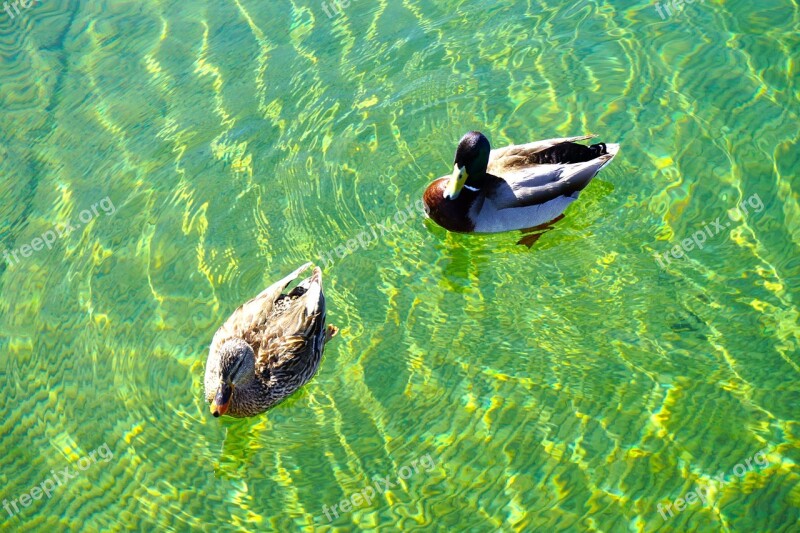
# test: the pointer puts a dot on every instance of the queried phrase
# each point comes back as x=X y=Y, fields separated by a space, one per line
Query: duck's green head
x=469 y=166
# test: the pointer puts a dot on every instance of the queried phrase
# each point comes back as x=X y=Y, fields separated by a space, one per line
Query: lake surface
x=636 y=369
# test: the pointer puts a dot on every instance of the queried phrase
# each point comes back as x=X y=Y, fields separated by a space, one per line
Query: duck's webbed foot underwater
x=533 y=234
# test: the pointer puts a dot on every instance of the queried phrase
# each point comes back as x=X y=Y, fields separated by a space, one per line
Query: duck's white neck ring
x=473 y=189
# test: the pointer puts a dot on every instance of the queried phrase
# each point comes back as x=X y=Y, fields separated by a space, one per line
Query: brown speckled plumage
x=270 y=346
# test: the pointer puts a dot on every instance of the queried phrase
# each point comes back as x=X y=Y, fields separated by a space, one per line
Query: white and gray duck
x=518 y=187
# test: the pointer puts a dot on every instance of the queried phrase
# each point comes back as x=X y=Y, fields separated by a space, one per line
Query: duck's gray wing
x=296 y=335
x=541 y=183
x=516 y=156
x=252 y=315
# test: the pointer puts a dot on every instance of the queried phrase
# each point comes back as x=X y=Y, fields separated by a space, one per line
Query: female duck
x=513 y=188
x=268 y=348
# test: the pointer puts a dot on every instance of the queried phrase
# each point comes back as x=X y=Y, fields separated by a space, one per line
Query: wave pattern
x=575 y=386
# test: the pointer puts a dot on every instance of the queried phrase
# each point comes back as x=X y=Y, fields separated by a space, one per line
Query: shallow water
x=574 y=386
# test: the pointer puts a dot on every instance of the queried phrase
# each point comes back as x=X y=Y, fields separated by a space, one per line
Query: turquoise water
x=202 y=151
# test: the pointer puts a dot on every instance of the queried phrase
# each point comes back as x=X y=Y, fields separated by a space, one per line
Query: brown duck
x=513 y=188
x=268 y=348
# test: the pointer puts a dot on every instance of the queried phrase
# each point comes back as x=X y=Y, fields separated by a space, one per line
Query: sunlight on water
x=637 y=369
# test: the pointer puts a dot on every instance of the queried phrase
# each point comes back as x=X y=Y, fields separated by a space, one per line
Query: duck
x=518 y=187
x=268 y=348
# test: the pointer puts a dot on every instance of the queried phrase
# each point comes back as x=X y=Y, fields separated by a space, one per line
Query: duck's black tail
x=568 y=153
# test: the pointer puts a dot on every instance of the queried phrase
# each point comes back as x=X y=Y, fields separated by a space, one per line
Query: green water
x=574 y=386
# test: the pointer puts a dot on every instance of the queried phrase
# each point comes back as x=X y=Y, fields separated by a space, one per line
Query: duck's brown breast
x=452 y=215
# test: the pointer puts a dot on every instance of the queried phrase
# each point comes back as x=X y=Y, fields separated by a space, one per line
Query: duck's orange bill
x=222 y=400
x=219 y=410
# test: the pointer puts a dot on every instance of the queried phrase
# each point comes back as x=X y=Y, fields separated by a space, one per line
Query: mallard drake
x=513 y=188
x=268 y=348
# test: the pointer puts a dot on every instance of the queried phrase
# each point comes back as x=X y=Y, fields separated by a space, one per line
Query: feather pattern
x=285 y=333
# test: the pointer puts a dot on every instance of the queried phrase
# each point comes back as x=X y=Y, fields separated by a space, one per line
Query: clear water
x=575 y=386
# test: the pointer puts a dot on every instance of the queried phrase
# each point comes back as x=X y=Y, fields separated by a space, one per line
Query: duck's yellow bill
x=456 y=183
